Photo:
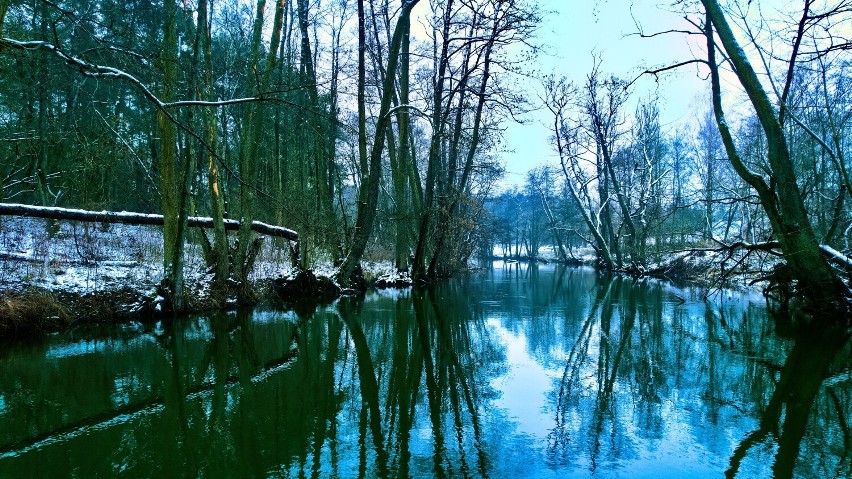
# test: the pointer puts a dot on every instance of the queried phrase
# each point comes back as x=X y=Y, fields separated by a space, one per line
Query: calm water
x=515 y=372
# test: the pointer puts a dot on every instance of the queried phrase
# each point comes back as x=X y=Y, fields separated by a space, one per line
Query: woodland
x=345 y=129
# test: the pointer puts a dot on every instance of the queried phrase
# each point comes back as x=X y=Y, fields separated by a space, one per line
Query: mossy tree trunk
x=780 y=195
x=169 y=181
x=250 y=139
x=219 y=252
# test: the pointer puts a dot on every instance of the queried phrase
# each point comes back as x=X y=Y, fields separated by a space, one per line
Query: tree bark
x=438 y=124
x=402 y=186
x=362 y=92
x=320 y=139
x=169 y=181
x=250 y=139
x=214 y=184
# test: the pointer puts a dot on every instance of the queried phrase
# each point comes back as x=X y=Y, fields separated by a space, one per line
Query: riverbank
x=33 y=309
x=60 y=275
x=711 y=267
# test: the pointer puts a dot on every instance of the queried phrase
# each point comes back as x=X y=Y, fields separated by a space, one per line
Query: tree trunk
x=459 y=189
x=250 y=139
x=214 y=185
x=438 y=124
x=551 y=220
x=362 y=93
x=319 y=138
x=781 y=198
x=369 y=192
x=401 y=183
x=169 y=181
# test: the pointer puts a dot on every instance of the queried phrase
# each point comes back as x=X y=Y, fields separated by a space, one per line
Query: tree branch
x=656 y=72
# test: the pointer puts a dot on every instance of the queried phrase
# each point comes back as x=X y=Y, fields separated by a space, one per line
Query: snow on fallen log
x=130 y=218
x=836 y=256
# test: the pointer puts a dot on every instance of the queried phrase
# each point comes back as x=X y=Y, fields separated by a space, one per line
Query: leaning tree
x=777 y=186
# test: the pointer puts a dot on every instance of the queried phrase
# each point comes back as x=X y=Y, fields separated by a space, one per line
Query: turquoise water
x=515 y=372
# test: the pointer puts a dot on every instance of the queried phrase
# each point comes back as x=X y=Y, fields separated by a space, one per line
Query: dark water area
x=514 y=372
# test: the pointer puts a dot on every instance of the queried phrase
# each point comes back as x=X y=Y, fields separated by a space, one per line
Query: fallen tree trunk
x=835 y=256
x=125 y=217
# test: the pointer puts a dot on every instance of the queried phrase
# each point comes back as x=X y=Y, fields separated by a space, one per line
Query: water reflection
x=800 y=381
x=515 y=372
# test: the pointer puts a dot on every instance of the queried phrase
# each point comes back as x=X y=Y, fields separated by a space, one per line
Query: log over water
x=130 y=218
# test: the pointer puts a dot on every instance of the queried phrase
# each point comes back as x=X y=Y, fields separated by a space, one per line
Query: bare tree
x=369 y=191
x=781 y=196
x=560 y=96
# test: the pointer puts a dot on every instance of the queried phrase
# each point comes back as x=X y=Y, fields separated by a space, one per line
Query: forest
x=305 y=238
x=374 y=129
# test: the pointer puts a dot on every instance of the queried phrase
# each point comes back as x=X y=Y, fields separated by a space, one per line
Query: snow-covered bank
x=54 y=274
x=77 y=257
x=61 y=273
x=715 y=267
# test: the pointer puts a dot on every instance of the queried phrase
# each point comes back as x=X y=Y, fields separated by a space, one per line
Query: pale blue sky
x=577 y=28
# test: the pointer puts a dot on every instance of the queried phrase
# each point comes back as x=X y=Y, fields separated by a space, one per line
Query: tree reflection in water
x=516 y=372
x=801 y=382
x=637 y=359
x=428 y=345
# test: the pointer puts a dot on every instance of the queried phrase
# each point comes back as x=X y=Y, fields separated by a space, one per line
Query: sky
x=571 y=32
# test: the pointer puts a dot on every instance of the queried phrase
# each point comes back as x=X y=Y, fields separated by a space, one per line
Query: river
x=516 y=371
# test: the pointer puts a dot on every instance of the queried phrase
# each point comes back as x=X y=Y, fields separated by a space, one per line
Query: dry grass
x=32 y=311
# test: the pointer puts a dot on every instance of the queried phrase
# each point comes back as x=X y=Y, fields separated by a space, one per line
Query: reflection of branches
x=151 y=406
x=328 y=405
x=610 y=369
x=626 y=332
x=732 y=345
x=403 y=386
x=800 y=381
x=459 y=379
x=369 y=386
x=844 y=427
x=432 y=392
x=650 y=346
x=576 y=358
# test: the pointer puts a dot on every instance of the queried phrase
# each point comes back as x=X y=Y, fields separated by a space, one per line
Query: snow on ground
x=739 y=268
x=79 y=257
x=584 y=254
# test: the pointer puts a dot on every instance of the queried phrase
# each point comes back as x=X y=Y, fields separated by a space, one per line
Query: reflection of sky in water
x=537 y=373
x=524 y=401
x=524 y=387
x=673 y=435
